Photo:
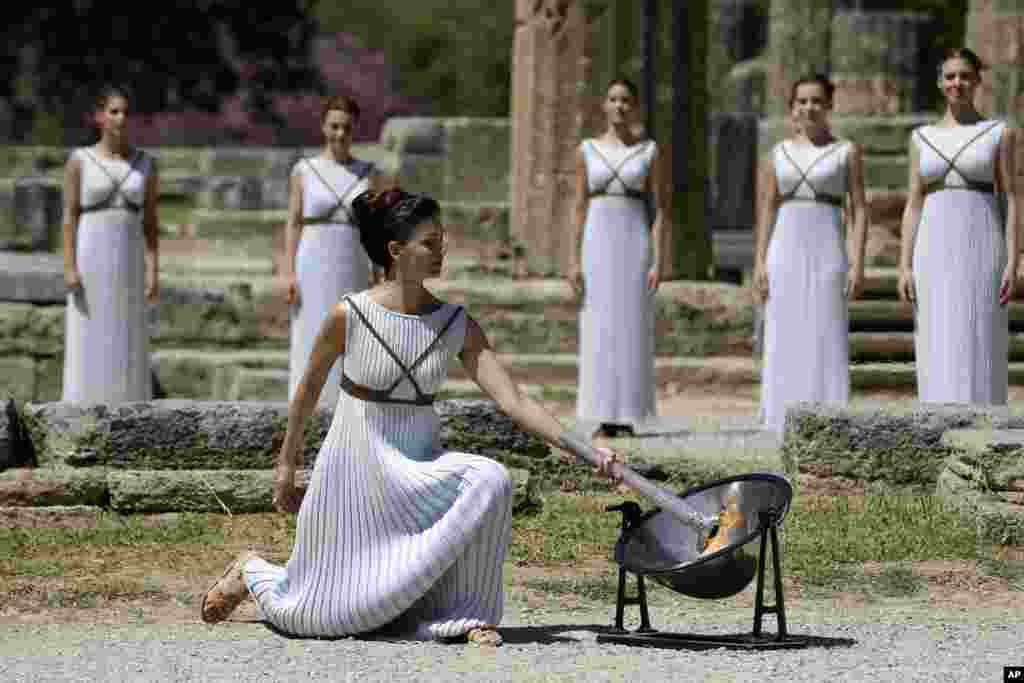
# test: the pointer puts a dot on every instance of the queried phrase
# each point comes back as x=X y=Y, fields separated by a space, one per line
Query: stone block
x=233 y=193
x=150 y=491
x=423 y=173
x=180 y=186
x=32 y=277
x=198 y=316
x=983 y=479
x=37 y=487
x=414 y=135
x=49 y=378
x=242 y=227
x=37 y=211
x=194 y=435
x=477 y=159
x=259 y=384
x=894 y=443
x=31 y=330
x=55 y=516
x=17 y=380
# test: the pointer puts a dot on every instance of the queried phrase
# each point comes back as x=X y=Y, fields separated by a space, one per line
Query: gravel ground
x=896 y=640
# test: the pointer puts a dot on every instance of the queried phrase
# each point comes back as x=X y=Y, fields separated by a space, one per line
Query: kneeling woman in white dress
x=393 y=532
x=802 y=271
x=111 y=238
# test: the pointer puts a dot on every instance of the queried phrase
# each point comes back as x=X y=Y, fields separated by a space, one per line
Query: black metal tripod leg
x=759 y=609
x=645 y=618
x=620 y=602
x=780 y=606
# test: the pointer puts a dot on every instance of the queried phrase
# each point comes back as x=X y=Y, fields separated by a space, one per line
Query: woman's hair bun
x=387 y=216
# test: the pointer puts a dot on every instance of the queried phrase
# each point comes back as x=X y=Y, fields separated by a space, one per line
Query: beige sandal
x=227 y=593
x=486 y=636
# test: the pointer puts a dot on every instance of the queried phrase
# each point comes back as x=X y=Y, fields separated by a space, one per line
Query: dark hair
x=625 y=83
x=341 y=103
x=107 y=92
x=820 y=79
x=964 y=53
x=389 y=216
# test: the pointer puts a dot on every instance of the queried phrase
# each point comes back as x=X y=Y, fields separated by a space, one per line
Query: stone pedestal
x=798 y=44
x=37 y=212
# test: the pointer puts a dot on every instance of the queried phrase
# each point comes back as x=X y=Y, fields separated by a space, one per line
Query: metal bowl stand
x=646 y=636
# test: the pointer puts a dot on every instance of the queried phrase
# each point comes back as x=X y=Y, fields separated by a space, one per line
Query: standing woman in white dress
x=325 y=259
x=394 y=532
x=802 y=270
x=958 y=261
x=617 y=266
x=111 y=238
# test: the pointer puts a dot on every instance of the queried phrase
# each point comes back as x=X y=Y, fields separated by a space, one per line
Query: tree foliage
x=174 y=55
x=455 y=55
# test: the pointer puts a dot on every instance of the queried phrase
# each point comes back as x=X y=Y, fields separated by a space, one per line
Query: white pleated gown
x=962 y=333
x=330 y=261
x=106 y=342
x=392 y=531
x=806 y=347
x=616 y=320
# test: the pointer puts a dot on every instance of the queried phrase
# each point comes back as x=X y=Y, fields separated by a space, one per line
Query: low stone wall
x=894 y=443
x=983 y=480
x=209 y=456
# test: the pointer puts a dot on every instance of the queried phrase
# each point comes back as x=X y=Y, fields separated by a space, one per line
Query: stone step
x=893 y=346
x=884 y=315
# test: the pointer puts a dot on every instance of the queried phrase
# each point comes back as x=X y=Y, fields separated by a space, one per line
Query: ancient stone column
x=995 y=30
x=880 y=62
x=549 y=68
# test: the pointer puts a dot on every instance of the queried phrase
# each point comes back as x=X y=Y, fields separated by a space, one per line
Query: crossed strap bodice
x=626 y=190
x=343 y=197
x=385 y=395
x=117 y=189
x=969 y=183
x=804 y=178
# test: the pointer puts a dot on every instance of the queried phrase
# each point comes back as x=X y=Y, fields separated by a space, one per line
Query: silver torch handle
x=665 y=499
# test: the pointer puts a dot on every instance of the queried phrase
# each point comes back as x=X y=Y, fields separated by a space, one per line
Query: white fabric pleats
x=393 y=532
x=330 y=261
x=806 y=351
x=616 y=321
x=106 y=343
x=962 y=333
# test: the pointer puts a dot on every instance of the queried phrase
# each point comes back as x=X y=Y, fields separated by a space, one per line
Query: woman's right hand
x=905 y=286
x=292 y=290
x=286 y=496
x=761 y=283
x=576 y=280
x=72 y=279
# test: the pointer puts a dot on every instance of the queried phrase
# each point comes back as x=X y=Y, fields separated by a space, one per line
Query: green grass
x=602 y=589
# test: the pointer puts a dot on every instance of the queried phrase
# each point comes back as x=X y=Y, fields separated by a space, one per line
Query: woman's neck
x=817 y=135
x=621 y=133
x=407 y=296
x=110 y=147
x=961 y=115
x=341 y=156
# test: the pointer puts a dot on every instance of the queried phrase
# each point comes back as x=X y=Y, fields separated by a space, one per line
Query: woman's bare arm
x=151 y=231
x=1007 y=170
x=858 y=208
x=767 y=206
x=661 y=231
x=327 y=348
x=911 y=218
x=71 y=211
x=484 y=368
x=293 y=223
x=579 y=214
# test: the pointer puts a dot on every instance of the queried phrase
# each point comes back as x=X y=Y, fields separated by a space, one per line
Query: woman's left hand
x=605 y=469
x=653 y=279
x=1009 y=284
x=152 y=288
